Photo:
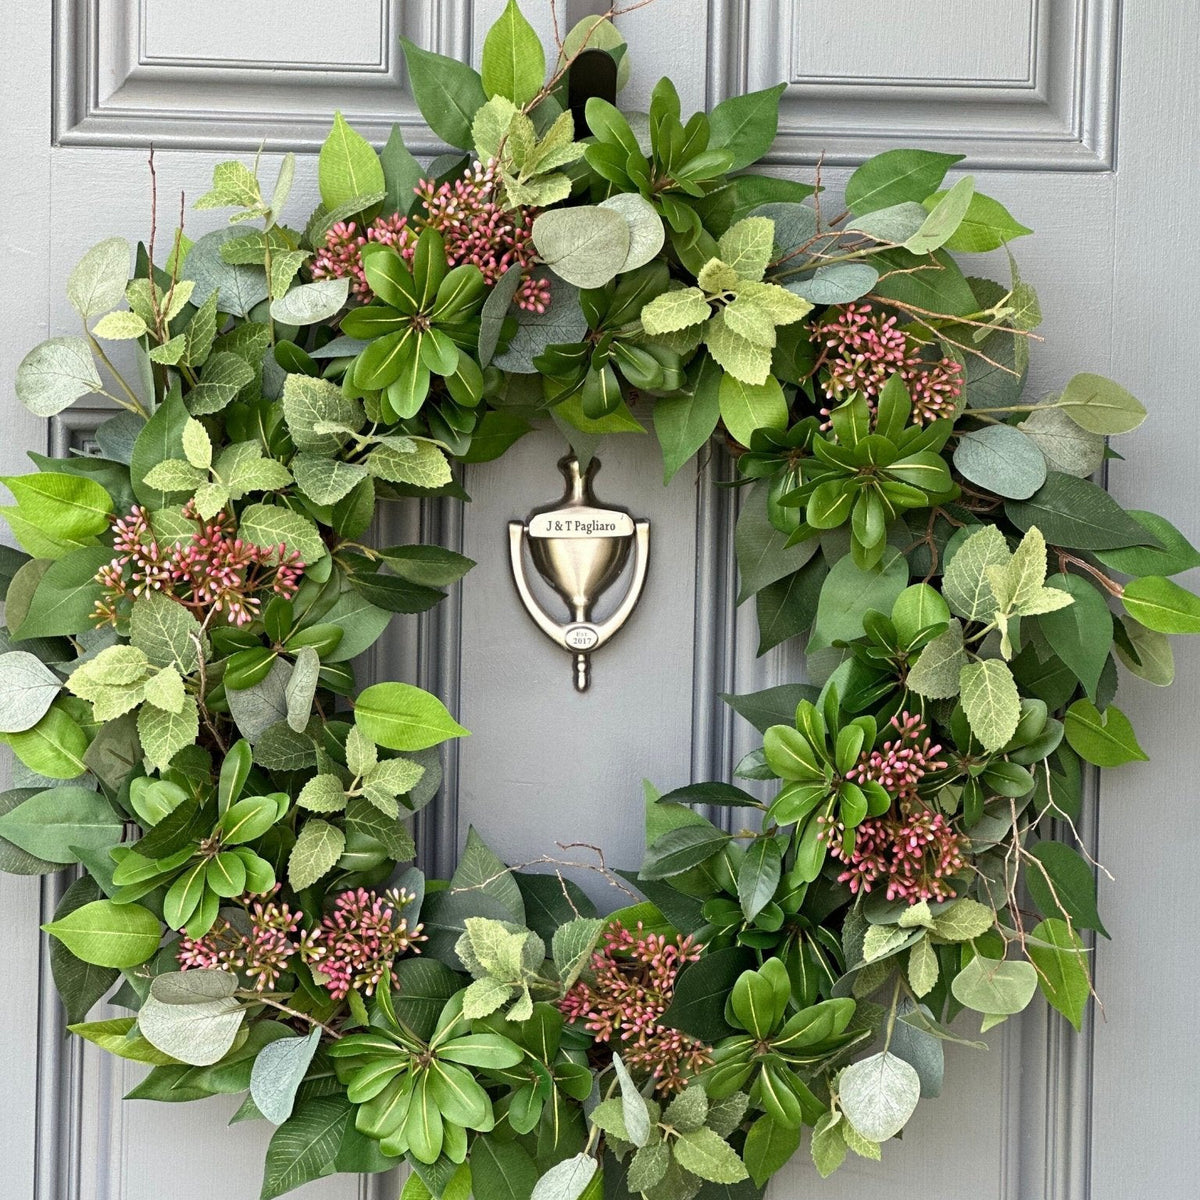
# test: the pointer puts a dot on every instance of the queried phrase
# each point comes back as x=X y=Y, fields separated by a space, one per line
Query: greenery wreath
x=176 y=679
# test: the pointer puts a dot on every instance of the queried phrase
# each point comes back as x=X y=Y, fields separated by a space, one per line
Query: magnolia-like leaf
x=402 y=717
x=108 y=934
x=1100 y=406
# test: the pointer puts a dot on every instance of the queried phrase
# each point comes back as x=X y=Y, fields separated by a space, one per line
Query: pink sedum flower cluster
x=353 y=948
x=355 y=945
x=263 y=954
x=213 y=570
x=912 y=850
x=475 y=228
x=862 y=349
x=632 y=981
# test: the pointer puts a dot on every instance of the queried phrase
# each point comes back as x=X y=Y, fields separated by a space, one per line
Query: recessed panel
x=269 y=35
x=929 y=42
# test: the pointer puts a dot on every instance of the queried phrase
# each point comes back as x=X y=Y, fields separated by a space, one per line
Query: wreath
x=177 y=687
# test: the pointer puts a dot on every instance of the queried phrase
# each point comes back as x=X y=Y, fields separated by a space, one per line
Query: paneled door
x=1080 y=115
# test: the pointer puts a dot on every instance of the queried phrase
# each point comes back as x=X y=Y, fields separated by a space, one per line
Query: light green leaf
x=944 y=218
x=425 y=466
x=197 y=446
x=987 y=225
x=646 y=231
x=165 y=632
x=677 y=309
x=709 y=1156
x=1101 y=406
x=192 y=1015
x=922 y=968
x=936 y=673
x=1155 y=660
x=878 y=1095
x=991 y=701
x=60 y=824
x=317 y=849
x=746 y=247
x=97 y=284
x=164 y=734
x=311 y=303
x=56 y=373
x=279 y=1069
x=1001 y=987
x=965 y=583
x=1066 y=446
x=569 y=1179
x=309 y=402
x=164 y=690
x=513 y=63
x=402 y=717
x=634 y=1112
x=323 y=793
x=271 y=525
x=301 y=688
x=120 y=326
x=27 y=689
x=586 y=246
x=1062 y=966
x=1001 y=459
x=347 y=166
x=573 y=945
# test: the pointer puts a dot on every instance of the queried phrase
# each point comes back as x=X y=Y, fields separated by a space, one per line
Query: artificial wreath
x=176 y=680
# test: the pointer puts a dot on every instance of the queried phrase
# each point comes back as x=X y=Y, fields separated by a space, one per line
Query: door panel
x=1028 y=90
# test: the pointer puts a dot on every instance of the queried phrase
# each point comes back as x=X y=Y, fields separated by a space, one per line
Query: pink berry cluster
x=263 y=953
x=915 y=850
x=356 y=944
x=862 y=349
x=213 y=570
x=630 y=985
x=354 y=947
x=474 y=226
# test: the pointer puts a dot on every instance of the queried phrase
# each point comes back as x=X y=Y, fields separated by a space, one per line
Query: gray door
x=1079 y=116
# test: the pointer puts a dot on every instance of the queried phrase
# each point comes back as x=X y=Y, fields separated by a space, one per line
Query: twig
x=545 y=860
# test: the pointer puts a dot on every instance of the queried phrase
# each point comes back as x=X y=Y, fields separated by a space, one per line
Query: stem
x=135 y=405
x=258 y=998
x=891 y=1025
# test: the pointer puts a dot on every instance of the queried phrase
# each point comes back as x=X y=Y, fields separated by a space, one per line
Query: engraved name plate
x=581 y=523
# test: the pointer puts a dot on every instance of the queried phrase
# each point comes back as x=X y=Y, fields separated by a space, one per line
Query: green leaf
x=423 y=466
x=1081 y=633
x=81 y=985
x=828 y=1144
x=745 y=125
x=1062 y=966
x=879 y=1094
x=63 y=823
x=108 y=934
x=758 y=876
x=674 y=310
x=401 y=173
x=402 y=717
x=894 y=177
x=991 y=702
x=513 y=63
x=97 y=284
x=56 y=512
x=317 y=849
x=1177 y=553
x=987 y=225
x=501 y=1170
x=305 y=1146
x=679 y=849
x=1001 y=459
x=311 y=403
x=838 y=283
x=937 y=671
x=1062 y=884
x=993 y=986
x=746 y=407
x=1155 y=661
x=769 y=1147
x=165 y=632
x=709 y=1156
x=347 y=166
x=963 y=920
x=54 y=747
x=448 y=92
x=850 y=592
x=922 y=968
x=586 y=246
x=238 y=288
x=27 y=689
x=1104 y=739
x=1077 y=514
x=1101 y=406
x=1162 y=605
x=278 y=1071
